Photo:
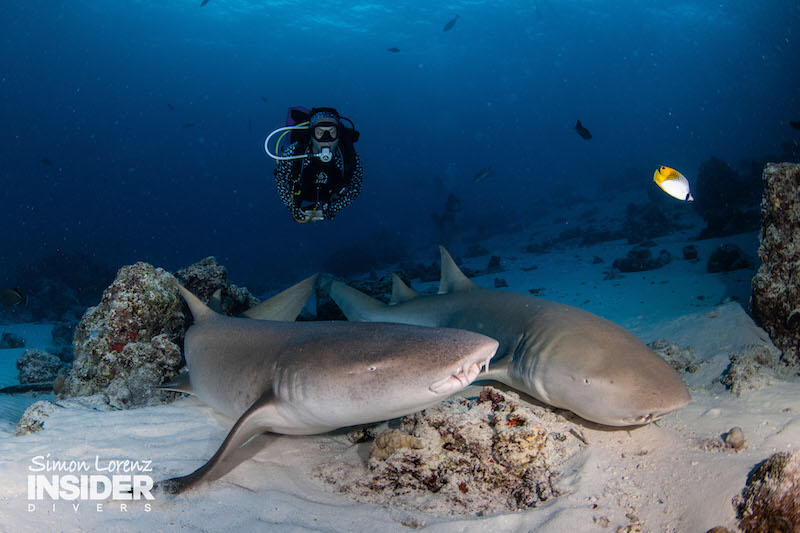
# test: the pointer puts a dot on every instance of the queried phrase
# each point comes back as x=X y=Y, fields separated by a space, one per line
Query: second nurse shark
x=559 y=354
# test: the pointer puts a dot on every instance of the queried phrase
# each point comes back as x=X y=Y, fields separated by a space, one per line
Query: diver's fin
x=400 y=291
x=356 y=306
x=200 y=311
x=181 y=383
x=250 y=424
x=285 y=305
x=215 y=302
x=452 y=279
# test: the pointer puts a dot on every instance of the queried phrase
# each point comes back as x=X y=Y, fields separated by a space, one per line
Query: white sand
x=657 y=474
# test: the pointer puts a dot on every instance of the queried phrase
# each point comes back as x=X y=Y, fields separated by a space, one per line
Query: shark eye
x=586 y=381
x=373 y=368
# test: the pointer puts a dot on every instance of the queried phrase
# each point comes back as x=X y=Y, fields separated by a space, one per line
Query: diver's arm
x=352 y=191
x=285 y=183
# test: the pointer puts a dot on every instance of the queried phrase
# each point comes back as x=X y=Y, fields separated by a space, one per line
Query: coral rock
x=770 y=502
x=728 y=257
x=776 y=286
x=477 y=456
x=36 y=366
x=34 y=418
x=735 y=438
x=128 y=343
x=754 y=367
x=640 y=258
x=390 y=440
x=206 y=277
x=678 y=358
x=10 y=340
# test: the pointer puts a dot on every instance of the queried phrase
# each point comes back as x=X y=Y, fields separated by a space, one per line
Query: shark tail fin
x=452 y=279
x=400 y=291
x=356 y=306
x=200 y=311
x=285 y=305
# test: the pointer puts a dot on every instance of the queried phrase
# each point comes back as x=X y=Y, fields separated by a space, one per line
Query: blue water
x=92 y=158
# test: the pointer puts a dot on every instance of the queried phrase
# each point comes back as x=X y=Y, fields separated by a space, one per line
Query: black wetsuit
x=317 y=182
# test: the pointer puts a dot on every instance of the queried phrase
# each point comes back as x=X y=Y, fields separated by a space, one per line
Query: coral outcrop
x=726 y=258
x=34 y=418
x=681 y=359
x=129 y=342
x=639 y=258
x=206 y=277
x=770 y=502
x=37 y=366
x=10 y=340
x=775 y=303
x=474 y=456
x=754 y=367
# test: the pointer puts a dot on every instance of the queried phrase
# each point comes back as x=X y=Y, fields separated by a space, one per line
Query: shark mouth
x=466 y=375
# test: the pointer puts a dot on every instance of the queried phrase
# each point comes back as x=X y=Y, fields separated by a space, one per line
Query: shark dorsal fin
x=453 y=280
x=286 y=305
x=400 y=291
x=215 y=302
x=200 y=311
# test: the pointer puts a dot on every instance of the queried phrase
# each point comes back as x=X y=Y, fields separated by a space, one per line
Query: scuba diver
x=319 y=172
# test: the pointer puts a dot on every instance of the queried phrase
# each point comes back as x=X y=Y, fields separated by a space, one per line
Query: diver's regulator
x=325 y=154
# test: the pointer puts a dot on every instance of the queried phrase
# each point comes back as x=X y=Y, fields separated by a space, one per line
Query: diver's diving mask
x=325 y=132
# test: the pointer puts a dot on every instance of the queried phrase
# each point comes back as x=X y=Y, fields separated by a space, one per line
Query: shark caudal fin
x=286 y=305
x=452 y=279
x=400 y=291
x=356 y=306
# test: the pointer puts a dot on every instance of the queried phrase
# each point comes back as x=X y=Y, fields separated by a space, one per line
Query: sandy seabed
x=660 y=477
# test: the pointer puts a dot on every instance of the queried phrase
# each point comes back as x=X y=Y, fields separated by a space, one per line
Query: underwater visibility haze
x=133 y=130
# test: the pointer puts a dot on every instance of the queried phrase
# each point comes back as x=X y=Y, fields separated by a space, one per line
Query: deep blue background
x=87 y=83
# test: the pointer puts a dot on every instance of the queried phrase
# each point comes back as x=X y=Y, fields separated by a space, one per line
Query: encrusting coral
x=128 y=343
x=463 y=456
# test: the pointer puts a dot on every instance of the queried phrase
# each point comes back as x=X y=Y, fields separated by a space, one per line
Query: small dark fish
x=583 y=132
x=449 y=25
x=189 y=125
x=482 y=174
x=46 y=161
x=795 y=124
x=393 y=50
x=204 y=2
x=171 y=107
x=264 y=99
x=10 y=297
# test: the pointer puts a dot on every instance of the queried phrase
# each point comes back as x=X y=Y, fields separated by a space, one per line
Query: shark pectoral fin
x=400 y=291
x=356 y=306
x=248 y=426
x=452 y=279
x=497 y=372
x=181 y=383
x=200 y=311
x=285 y=305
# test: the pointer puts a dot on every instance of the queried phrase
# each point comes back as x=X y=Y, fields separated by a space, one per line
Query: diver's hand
x=312 y=215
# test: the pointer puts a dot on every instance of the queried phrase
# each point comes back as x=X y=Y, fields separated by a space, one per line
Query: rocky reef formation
x=754 y=367
x=37 y=366
x=770 y=502
x=129 y=342
x=681 y=359
x=10 y=340
x=206 y=277
x=726 y=258
x=464 y=456
x=34 y=418
x=775 y=303
x=640 y=258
